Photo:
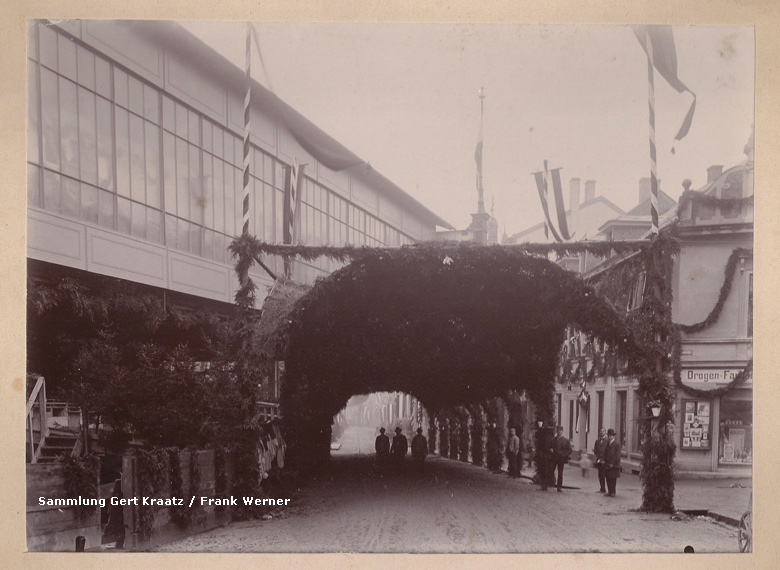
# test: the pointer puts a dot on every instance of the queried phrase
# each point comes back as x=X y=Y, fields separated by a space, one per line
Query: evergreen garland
x=432 y=434
x=81 y=475
x=493 y=447
x=695 y=197
x=153 y=471
x=464 y=433
x=477 y=434
x=444 y=435
x=725 y=290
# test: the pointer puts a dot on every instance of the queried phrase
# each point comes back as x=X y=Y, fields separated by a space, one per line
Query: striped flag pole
x=653 y=166
x=247 y=100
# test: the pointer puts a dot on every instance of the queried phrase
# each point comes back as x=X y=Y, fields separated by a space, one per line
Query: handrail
x=38 y=394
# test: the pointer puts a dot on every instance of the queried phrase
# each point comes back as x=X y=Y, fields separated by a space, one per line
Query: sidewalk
x=725 y=499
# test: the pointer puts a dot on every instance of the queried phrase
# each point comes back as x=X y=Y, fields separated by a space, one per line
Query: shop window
x=696 y=424
x=571 y=419
x=601 y=409
x=736 y=432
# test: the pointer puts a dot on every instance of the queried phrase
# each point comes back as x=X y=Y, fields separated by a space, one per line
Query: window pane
x=138 y=221
x=32 y=39
x=67 y=57
x=183 y=236
x=219 y=195
x=169 y=172
x=170 y=231
x=33 y=108
x=70 y=197
x=48 y=39
x=206 y=135
x=89 y=203
x=69 y=128
x=106 y=209
x=136 y=90
x=268 y=213
x=86 y=68
x=182 y=173
x=230 y=207
x=120 y=87
x=208 y=191
x=181 y=121
x=122 y=153
x=51 y=119
x=218 y=142
x=103 y=77
x=169 y=114
x=196 y=195
x=105 y=145
x=208 y=244
x=123 y=215
x=219 y=248
x=33 y=185
x=153 y=225
x=151 y=104
x=194 y=127
x=52 y=191
x=229 y=148
x=152 y=134
x=137 y=151
x=195 y=239
x=87 y=136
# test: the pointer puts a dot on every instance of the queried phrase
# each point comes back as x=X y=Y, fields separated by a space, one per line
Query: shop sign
x=710 y=375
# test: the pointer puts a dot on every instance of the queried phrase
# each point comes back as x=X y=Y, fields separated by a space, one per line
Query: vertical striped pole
x=653 y=168
x=247 y=99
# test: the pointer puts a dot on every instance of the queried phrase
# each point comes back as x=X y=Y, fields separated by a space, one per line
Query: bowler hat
x=419 y=430
x=610 y=431
x=382 y=430
x=398 y=430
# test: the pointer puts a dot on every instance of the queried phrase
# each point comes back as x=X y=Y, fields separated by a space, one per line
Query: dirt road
x=453 y=507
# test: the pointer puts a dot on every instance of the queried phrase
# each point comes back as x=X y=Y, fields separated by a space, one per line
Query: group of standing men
x=384 y=451
x=606 y=449
x=607 y=452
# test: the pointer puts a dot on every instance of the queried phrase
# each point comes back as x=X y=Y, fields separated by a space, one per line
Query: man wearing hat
x=561 y=451
x=399 y=448
x=382 y=447
x=419 y=449
x=611 y=462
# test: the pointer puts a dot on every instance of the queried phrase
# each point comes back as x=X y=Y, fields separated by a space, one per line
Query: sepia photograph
x=423 y=288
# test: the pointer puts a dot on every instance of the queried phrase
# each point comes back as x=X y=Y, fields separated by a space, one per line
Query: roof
x=321 y=145
x=517 y=238
x=665 y=203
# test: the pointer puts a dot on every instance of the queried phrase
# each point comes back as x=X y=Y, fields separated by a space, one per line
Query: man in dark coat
x=382 y=447
x=513 y=452
x=598 y=450
x=419 y=449
x=612 y=462
x=399 y=448
x=561 y=450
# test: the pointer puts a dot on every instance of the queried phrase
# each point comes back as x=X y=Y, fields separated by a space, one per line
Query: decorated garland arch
x=452 y=324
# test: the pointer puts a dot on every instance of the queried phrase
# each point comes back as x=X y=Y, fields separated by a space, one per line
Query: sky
x=405 y=97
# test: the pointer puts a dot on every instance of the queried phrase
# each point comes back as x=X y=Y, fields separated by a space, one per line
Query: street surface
x=454 y=507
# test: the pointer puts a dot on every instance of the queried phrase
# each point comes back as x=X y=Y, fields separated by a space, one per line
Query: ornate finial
x=686 y=184
x=749 y=145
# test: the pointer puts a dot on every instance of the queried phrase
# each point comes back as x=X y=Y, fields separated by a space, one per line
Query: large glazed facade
x=135 y=164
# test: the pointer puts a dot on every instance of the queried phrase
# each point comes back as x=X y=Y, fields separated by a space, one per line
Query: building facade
x=135 y=161
x=713 y=434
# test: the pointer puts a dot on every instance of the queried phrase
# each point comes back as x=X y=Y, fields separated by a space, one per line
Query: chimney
x=713 y=172
x=574 y=205
x=590 y=190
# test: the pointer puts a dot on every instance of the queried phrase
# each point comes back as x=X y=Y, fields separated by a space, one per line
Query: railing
x=37 y=396
x=270 y=411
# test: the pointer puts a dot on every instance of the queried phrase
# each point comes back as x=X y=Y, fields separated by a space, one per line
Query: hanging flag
x=562 y=225
x=658 y=43
x=293 y=185
x=541 y=186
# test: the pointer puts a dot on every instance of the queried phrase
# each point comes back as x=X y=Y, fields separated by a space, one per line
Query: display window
x=696 y=424
x=736 y=432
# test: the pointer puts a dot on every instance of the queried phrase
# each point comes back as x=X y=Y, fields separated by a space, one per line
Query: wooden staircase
x=52 y=426
x=56 y=444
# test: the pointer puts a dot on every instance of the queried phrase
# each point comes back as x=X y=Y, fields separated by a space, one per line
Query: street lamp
x=540 y=423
